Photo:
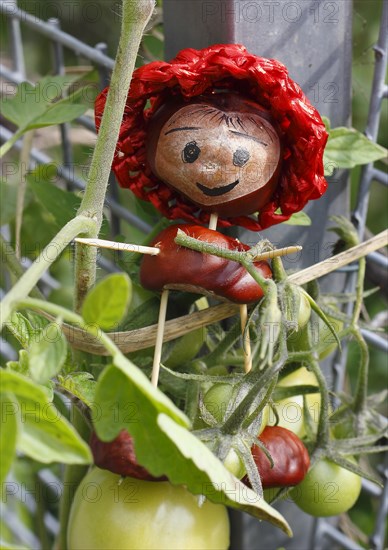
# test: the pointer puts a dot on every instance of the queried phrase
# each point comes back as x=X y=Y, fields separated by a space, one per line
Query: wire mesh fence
x=325 y=533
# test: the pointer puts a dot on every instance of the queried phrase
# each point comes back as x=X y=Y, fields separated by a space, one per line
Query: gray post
x=313 y=39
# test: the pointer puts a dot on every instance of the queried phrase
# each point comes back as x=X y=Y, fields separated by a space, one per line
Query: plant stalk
x=135 y=16
x=50 y=253
x=8 y=256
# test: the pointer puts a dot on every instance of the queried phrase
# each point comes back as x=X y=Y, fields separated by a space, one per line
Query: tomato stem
x=323 y=425
x=50 y=253
x=135 y=16
x=360 y=399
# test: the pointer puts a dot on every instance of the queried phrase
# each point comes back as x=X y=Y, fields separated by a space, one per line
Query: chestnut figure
x=179 y=268
x=221 y=152
x=216 y=136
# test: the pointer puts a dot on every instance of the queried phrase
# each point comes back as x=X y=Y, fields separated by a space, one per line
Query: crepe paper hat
x=230 y=67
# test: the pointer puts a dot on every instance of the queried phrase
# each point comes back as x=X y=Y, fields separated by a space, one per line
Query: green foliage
x=9 y=432
x=347 y=148
x=43 y=104
x=79 y=384
x=46 y=436
x=58 y=204
x=48 y=354
x=107 y=302
x=299 y=218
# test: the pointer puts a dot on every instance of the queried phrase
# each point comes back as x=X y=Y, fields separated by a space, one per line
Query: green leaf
x=81 y=385
x=8 y=433
x=299 y=218
x=21 y=386
x=36 y=106
x=22 y=366
x=107 y=302
x=46 y=435
x=164 y=446
x=61 y=205
x=347 y=148
x=21 y=328
x=47 y=354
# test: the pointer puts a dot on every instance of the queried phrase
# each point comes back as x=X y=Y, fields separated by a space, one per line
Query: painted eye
x=191 y=152
x=240 y=157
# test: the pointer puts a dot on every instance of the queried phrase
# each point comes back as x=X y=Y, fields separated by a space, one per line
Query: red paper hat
x=195 y=72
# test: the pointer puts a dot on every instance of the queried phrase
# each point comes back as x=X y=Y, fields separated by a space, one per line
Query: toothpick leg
x=246 y=341
x=159 y=338
x=213 y=221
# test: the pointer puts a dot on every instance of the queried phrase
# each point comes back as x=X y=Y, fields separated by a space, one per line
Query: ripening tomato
x=290 y=410
x=291 y=460
x=114 y=513
x=327 y=490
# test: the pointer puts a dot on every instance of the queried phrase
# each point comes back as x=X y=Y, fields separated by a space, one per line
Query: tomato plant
x=116 y=513
x=327 y=490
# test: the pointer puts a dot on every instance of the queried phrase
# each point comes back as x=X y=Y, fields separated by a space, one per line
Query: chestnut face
x=224 y=161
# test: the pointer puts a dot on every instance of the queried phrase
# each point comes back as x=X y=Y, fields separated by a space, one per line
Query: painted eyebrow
x=249 y=137
x=183 y=128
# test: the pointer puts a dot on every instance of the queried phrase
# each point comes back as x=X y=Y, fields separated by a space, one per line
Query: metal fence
x=323 y=533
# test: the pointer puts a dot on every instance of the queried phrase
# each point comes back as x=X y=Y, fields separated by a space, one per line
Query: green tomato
x=327 y=490
x=114 y=513
x=322 y=338
x=304 y=313
x=217 y=400
x=234 y=464
x=290 y=410
x=186 y=348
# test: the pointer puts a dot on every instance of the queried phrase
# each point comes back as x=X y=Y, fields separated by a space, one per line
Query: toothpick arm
x=126 y=247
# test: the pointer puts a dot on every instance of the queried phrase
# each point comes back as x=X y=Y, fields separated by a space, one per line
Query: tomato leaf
x=347 y=148
x=106 y=303
x=46 y=436
x=22 y=366
x=60 y=205
x=315 y=307
x=21 y=328
x=8 y=433
x=81 y=385
x=164 y=445
x=299 y=218
x=36 y=106
x=47 y=354
x=281 y=393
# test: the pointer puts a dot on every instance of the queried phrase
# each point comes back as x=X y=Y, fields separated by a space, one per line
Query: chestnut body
x=118 y=456
x=180 y=268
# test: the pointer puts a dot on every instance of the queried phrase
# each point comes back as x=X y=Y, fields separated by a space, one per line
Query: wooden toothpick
x=113 y=245
x=213 y=221
x=159 y=337
x=277 y=253
x=246 y=341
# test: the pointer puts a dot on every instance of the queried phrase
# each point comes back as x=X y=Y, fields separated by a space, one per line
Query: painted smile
x=217 y=191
